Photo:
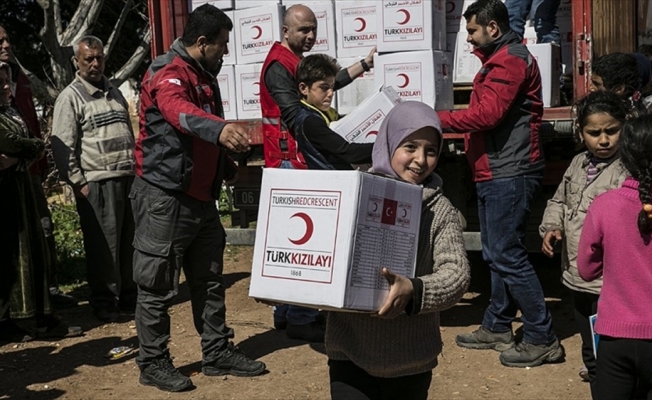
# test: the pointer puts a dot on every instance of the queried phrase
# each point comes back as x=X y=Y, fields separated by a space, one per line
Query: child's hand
x=549 y=240
x=400 y=293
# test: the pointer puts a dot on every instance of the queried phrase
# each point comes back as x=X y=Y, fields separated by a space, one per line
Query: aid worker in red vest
x=280 y=101
x=279 y=96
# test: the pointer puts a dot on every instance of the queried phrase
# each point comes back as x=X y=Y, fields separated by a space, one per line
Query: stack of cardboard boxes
x=412 y=51
x=422 y=49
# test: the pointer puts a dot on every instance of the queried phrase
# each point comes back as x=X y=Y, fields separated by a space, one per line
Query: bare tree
x=58 y=42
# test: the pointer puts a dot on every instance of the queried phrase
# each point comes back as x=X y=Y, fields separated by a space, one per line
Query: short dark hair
x=207 y=21
x=486 y=11
x=316 y=67
x=617 y=69
x=636 y=155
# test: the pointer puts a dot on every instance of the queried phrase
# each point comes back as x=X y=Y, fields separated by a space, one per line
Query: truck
x=599 y=27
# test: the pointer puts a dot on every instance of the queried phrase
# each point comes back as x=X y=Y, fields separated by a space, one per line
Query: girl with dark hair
x=615 y=245
x=600 y=116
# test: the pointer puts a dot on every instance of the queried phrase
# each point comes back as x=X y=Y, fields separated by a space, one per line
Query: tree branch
x=108 y=47
x=82 y=21
x=134 y=61
x=57 y=21
x=43 y=92
x=48 y=32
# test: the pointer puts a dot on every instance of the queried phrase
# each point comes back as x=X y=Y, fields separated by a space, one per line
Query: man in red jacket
x=280 y=103
x=181 y=162
x=502 y=145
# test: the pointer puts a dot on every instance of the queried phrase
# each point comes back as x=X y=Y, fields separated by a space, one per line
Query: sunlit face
x=597 y=84
x=601 y=134
x=90 y=62
x=477 y=34
x=213 y=53
x=301 y=32
x=416 y=157
x=320 y=93
x=5 y=46
x=5 y=86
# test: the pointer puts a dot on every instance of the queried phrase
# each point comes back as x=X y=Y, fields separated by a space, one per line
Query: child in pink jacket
x=615 y=244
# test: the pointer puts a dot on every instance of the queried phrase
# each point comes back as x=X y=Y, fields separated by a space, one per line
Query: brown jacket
x=566 y=211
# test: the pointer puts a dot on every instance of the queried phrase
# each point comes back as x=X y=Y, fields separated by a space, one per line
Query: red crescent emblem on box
x=407 y=16
x=406 y=80
x=258 y=92
x=259 y=30
x=371 y=133
x=310 y=227
x=363 y=24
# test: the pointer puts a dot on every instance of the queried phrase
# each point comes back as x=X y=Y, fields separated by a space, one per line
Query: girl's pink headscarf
x=403 y=120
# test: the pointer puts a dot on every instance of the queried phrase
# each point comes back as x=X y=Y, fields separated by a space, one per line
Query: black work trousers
x=108 y=226
x=175 y=231
x=350 y=382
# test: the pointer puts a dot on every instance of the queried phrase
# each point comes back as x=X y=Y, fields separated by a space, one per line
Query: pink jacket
x=611 y=246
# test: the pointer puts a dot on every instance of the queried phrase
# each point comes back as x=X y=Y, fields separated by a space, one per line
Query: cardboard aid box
x=356 y=27
x=231 y=58
x=547 y=56
x=325 y=14
x=226 y=82
x=256 y=30
x=352 y=95
x=361 y=126
x=417 y=75
x=411 y=25
x=247 y=90
x=455 y=21
x=323 y=236
x=466 y=64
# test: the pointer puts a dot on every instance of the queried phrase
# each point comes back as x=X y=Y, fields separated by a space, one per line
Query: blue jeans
x=545 y=18
x=503 y=209
x=294 y=315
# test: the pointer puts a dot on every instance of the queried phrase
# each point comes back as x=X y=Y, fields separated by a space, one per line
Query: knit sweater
x=409 y=345
x=92 y=138
x=611 y=246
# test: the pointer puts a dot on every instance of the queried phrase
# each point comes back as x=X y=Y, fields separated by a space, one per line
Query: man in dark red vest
x=279 y=96
x=280 y=103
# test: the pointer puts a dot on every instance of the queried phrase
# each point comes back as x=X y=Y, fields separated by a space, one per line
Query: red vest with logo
x=278 y=142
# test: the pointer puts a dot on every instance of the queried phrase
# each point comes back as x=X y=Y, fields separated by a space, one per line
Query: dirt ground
x=76 y=368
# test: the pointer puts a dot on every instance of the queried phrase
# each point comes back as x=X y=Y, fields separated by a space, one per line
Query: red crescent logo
x=388 y=211
x=259 y=30
x=363 y=24
x=407 y=16
x=406 y=80
x=450 y=6
x=310 y=227
x=371 y=133
x=258 y=92
x=404 y=213
x=375 y=207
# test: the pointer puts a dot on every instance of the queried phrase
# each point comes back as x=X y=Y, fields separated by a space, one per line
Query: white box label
x=406 y=78
x=306 y=253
